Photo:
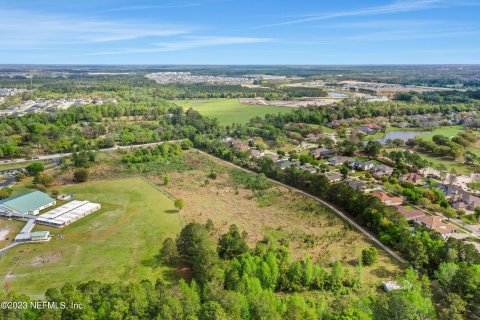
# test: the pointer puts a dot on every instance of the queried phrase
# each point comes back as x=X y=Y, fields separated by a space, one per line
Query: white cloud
x=396 y=35
x=25 y=28
x=152 y=7
x=188 y=43
x=395 y=7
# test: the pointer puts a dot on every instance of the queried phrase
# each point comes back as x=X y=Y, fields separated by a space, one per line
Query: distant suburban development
x=188 y=77
x=47 y=105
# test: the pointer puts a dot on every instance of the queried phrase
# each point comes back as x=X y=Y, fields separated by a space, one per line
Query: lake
x=404 y=135
x=337 y=95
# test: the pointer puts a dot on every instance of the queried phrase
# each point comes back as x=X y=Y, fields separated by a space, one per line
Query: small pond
x=337 y=95
x=404 y=135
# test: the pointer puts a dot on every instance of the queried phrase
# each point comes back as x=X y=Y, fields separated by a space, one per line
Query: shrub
x=369 y=256
x=80 y=175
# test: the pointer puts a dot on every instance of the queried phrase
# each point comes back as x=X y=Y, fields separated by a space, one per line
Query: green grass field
x=449 y=131
x=229 y=111
x=121 y=242
x=450 y=164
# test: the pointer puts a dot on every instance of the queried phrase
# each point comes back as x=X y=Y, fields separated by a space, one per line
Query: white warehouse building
x=68 y=213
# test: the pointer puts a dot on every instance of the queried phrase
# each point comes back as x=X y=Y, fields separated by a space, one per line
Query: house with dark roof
x=461 y=199
x=366 y=130
x=357 y=185
x=321 y=153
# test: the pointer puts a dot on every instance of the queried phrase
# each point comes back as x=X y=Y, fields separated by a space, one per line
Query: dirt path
x=107 y=232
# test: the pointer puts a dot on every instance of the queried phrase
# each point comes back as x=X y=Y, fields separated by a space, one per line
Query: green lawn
x=450 y=164
x=449 y=131
x=118 y=243
x=324 y=128
x=229 y=111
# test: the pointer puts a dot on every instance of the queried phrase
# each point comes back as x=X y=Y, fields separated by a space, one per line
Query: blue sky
x=240 y=32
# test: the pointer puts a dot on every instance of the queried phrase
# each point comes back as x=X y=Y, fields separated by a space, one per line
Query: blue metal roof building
x=26 y=203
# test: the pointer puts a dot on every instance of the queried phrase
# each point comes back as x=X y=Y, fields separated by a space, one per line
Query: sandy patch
x=4 y=234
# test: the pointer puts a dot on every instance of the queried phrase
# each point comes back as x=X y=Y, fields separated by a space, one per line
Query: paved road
x=68 y=154
x=326 y=204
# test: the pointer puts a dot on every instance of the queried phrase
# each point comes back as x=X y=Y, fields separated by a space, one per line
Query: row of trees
x=230 y=281
x=447 y=147
x=424 y=249
x=99 y=126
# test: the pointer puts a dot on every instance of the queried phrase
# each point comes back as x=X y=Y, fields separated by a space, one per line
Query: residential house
x=366 y=130
x=429 y=123
x=382 y=170
x=311 y=137
x=388 y=200
x=360 y=165
x=333 y=177
x=461 y=199
x=409 y=214
x=435 y=223
x=321 y=153
x=357 y=185
x=282 y=164
x=337 y=161
x=307 y=168
x=412 y=177
x=373 y=126
x=257 y=154
x=367 y=165
x=272 y=156
x=402 y=124
x=240 y=145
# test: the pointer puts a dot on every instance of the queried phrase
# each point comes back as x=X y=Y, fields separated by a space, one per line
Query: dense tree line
x=100 y=126
x=439 y=97
x=232 y=281
x=447 y=147
x=160 y=151
x=424 y=249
